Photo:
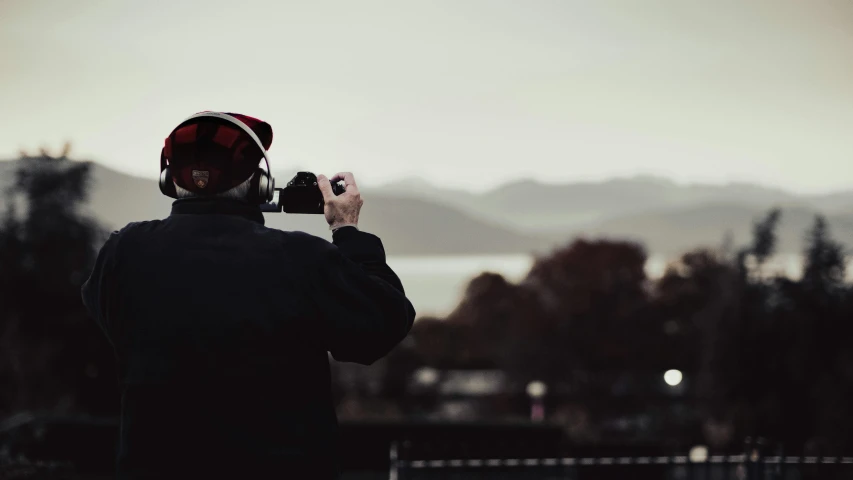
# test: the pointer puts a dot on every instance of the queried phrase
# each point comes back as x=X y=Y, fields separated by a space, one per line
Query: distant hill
x=413 y=226
x=414 y=187
x=537 y=207
x=677 y=230
x=414 y=217
x=839 y=202
x=406 y=225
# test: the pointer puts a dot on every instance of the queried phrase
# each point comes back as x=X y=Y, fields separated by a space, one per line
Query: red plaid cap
x=207 y=155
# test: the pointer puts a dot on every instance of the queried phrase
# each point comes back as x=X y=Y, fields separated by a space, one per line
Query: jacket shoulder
x=307 y=242
x=128 y=231
x=134 y=227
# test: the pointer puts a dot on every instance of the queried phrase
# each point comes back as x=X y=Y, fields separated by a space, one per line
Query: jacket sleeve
x=363 y=307
x=97 y=291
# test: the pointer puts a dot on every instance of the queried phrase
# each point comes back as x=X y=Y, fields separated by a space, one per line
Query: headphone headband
x=239 y=124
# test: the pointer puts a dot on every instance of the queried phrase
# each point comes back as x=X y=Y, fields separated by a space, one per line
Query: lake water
x=435 y=283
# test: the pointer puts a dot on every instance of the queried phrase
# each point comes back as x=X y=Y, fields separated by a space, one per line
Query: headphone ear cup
x=266 y=188
x=167 y=186
x=261 y=187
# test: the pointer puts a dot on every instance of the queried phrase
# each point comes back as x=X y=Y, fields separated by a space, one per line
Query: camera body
x=300 y=195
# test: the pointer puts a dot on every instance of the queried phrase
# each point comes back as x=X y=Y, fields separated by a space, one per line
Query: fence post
x=749 y=467
x=393 y=462
x=755 y=458
x=780 y=469
x=762 y=458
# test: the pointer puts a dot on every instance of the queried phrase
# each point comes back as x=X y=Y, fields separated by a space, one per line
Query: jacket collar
x=217 y=206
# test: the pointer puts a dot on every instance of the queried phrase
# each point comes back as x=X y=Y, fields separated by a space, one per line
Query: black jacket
x=221 y=328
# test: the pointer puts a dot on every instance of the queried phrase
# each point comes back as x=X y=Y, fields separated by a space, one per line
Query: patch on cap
x=201 y=178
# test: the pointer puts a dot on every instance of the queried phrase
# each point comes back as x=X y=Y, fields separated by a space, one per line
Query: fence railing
x=722 y=467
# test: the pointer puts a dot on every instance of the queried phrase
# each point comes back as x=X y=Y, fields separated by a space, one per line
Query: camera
x=300 y=195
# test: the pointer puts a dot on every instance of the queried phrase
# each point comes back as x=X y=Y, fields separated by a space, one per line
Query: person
x=222 y=327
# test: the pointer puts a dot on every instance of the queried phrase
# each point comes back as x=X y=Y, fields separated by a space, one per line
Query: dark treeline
x=762 y=355
x=52 y=357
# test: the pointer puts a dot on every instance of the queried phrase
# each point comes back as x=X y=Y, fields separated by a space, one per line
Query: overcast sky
x=463 y=92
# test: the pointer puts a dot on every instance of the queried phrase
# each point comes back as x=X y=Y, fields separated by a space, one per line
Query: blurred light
x=672 y=377
x=426 y=376
x=698 y=454
x=536 y=389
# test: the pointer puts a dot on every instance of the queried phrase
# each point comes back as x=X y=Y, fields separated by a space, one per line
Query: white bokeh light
x=536 y=389
x=426 y=376
x=672 y=377
x=698 y=454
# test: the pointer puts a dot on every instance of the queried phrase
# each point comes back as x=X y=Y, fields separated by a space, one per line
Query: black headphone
x=262 y=185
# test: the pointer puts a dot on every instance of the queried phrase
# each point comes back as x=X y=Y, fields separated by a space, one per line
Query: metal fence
x=678 y=467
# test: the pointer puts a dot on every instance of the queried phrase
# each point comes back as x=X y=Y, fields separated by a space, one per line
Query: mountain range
x=415 y=217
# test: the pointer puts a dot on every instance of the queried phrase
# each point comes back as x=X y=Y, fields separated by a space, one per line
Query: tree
x=779 y=363
x=502 y=320
x=824 y=259
x=593 y=294
x=695 y=293
x=824 y=335
x=53 y=356
x=764 y=236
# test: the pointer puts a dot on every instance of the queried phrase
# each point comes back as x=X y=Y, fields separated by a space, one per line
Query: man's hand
x=343 y=209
